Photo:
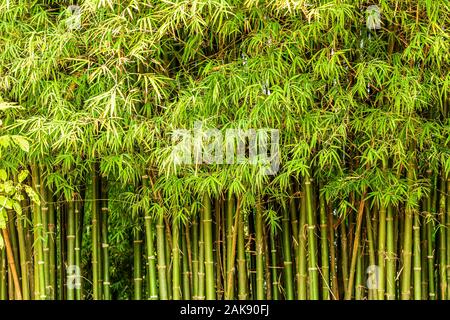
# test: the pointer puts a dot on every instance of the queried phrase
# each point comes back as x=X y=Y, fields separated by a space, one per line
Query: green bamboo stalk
x=96 y=265
x=259 y=253
x=195 y=258
x=21 y=222
x=44 y=216
x=312 y=241
x=201 y=259
x=209 y=255
x=274 y=265
x=176 y=280
x=344 y=252
x=71 y=281
x=39 y=271
x=301 y=259
x=266 y=255
x=407 y=241
x=417 y=257
x=448 y=236
x=218 y=249
x=231 y=255
x=348 y=293
x=381 y=285
x=371 y=252
x=137 y=263
x=442 y=241
x=251 y=256
x=432 y=241
x=185 y=261
x=359 y=286
x=295 y=239
x=27 y=226
x=333 y=267
x=241 y=261
x=231 y=230
x=424 y=250
x=324 y=253
x=61 y=250
x=390 y=255
x=150 y=250
x=3 y=275
x=168 y=255
x=79 y=212
x=104 y=240
x=430 y=250
x=287 y=263
x=162 y=267
x=51 y=227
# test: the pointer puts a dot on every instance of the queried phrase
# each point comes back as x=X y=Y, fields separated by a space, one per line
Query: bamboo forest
x=99 y=98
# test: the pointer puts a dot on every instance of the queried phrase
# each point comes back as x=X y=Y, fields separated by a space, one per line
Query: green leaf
x=3 y=175
x=4 y=141
x=21 y=142
x=33 y=195
x=22 y=175
x=3 y=218
x=17 y=207
x=3 y=201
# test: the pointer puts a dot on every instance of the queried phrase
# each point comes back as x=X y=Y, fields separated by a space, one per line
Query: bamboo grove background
x=360 y=208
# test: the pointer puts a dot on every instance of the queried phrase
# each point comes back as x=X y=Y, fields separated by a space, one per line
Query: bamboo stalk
x=3 y=275
x=209 y=256
x=95 y=235
x=324 y=253
x=407 y=242
x=232 y=252
x=71 y=281
x=442 y=242
x=185 y=263
x=150 y=250
x=201 y=259
x=195 y=258
x=259 y=253
x=162 y=268
x=51 y=246
x=39 y=271
x=137 y=263
x=382 y=253
x=106 y=289
x=176 y=282
x=333 y=267
x=12 y=265
x=301 y=253
x=348 y=293
x=241 y=261
x=287 y=263
x=21 y=221
x=274 y=265
x=390 y=255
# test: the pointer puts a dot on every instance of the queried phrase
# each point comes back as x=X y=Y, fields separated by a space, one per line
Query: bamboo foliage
x=360 y=205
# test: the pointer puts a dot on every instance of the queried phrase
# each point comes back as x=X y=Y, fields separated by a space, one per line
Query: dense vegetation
x=93 y=206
